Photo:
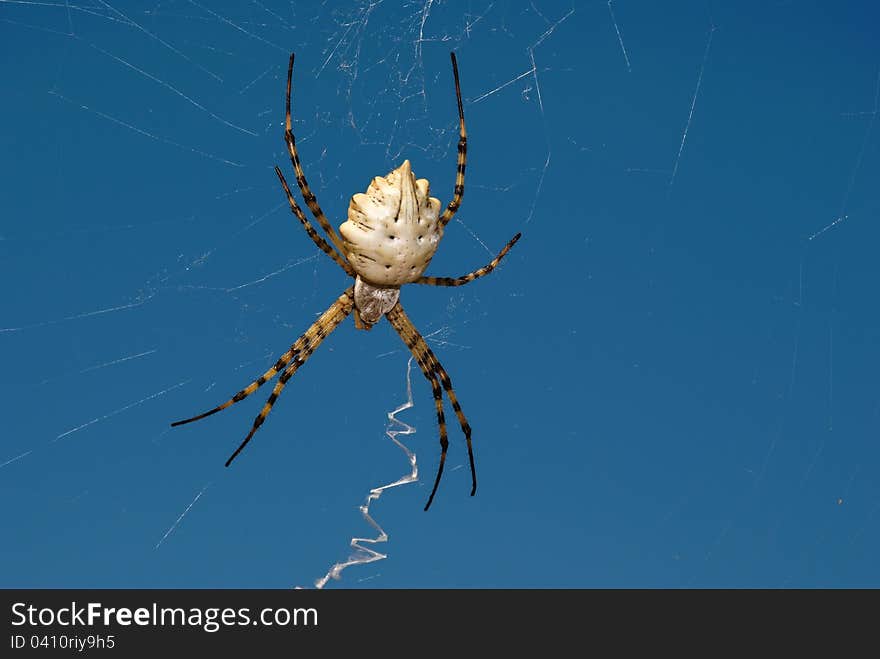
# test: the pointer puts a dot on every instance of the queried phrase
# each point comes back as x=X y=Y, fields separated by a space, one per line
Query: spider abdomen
x=392 y=230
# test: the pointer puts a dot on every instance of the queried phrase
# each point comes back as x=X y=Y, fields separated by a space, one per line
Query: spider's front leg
x=290 y=361
x=437 y=376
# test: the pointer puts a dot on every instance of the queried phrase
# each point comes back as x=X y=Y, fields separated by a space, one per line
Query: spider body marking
x=390 y=236
x=388 y=240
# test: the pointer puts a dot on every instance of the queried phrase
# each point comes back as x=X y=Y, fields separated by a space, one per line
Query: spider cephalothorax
x=388 y=240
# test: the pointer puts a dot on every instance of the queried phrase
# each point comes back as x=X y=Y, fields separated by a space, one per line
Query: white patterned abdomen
x=392 y=231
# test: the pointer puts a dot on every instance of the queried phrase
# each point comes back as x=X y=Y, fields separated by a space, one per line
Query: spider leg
x=434 y=371
x=462 y=153
x=456 y=407
x=299 y=351
x=441 y=422
x=308 y=196
x=314 y=235
x=476 y=274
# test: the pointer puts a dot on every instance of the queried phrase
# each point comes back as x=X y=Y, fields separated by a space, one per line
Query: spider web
x=178 y=298
x=672 y=376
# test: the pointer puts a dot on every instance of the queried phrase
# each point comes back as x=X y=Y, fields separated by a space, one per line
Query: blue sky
x=672 y=379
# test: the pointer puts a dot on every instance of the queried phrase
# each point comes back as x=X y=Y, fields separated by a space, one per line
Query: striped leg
x=476 y=274
x=441 y=422
x=314 y=235
x=434 y=371
x=298 y=353
x=462 y=153
x=456 y=407
x=308 y=196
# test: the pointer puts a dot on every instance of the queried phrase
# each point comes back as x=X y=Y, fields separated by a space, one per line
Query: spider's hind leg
x=322 y=244
x=308 y=195
x=461 y=163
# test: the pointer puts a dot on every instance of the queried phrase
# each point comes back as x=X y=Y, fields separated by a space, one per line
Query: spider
x=389 y=239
